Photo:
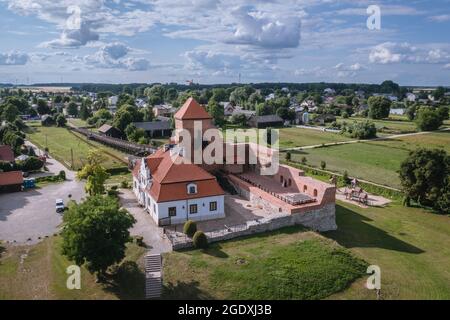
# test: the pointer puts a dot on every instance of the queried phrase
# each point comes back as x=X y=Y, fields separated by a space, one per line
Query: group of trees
x=425 y=178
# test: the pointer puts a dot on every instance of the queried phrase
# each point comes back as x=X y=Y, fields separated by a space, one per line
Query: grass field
x=286 y=264
x=77 y=122
x=375 y=161
x=61 y=141
x=298 y=137
x=39 y=272
x=409 y=244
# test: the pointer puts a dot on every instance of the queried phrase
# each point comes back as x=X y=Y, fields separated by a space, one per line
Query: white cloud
x=14 y=58
x=265 y=30
x=113 y=56
x=211 y=60
x=440 y=18
x=73 y=38
x=391 y=52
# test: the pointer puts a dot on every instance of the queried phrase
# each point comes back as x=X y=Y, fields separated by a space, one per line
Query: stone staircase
x=153 y=276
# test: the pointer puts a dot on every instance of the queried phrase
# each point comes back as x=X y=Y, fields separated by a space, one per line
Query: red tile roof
x=6 y=153
x=170 y=178
x=11 y=178
x=191 y=110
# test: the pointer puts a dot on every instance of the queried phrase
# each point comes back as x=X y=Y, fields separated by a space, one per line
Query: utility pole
x=71 y=156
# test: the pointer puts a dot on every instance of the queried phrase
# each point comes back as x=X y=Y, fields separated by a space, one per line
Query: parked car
x=59 y=205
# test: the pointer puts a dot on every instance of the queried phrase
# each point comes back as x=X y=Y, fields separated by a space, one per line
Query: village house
x=11 y=181
x=164 y=110
x=271 y=120
x=155 y=128
x=110 y=131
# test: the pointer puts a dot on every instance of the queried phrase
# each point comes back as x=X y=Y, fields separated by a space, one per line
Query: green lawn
x=376 y=161
x=287 y=264
x=39 y=272
x=368 y=161
x=410 y=245
x=298 y=137
x=61 y=141
x=77 y=122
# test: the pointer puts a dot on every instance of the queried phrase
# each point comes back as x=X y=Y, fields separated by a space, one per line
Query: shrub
x=62 y=175
x=288 y=156
x=190 y=228
x=31 y=164
x=362 y=130
x=124 y=184
x=428 y=120
x=323 y=165
x=304 y=160
x=345 y=177
x=200 y=240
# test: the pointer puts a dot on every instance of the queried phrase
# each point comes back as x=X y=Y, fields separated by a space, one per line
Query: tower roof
x=191 y=110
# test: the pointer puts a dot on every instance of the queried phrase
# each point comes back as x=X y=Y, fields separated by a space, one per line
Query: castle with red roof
x=174 y=190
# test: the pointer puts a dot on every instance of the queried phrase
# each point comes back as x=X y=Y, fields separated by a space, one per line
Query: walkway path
x=144 y=226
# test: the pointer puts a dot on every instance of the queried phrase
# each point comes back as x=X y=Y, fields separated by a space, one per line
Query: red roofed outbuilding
x=11 y=181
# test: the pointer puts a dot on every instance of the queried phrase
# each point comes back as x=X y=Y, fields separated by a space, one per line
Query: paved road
x=31 y=214
x=144 y=226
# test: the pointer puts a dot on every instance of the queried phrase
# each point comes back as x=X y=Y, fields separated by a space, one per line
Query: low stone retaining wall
x=320 y=220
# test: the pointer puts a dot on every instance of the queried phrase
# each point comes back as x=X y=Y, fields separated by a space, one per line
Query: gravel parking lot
x=31 y=214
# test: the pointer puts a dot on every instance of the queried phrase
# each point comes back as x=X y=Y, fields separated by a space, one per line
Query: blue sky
x=116 y=41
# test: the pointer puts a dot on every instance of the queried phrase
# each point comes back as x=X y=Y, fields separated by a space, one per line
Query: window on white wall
x=213 y=206
x=172 y=211
x=191 y=188
x=193 y=209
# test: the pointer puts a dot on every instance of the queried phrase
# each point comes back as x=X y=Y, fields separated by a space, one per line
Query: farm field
x=375 y=161
x=39 y=272
x=408 y=244
x=299 y=137
x=290 y=263
x=77 y=122
x=60 y=141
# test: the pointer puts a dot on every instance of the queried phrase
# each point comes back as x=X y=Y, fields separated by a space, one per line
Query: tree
x=379 y=107
x=72 y=109
x=134 y=134
x=9 y=112
x=428 y=119
x=94 y=173
x=323 y=165
x=61 y=120
x=411 y=113
x=217 y=112
x=85 y=109
x=42 y=107
x=95 y=184
x=439 y=93
x=362 y=130
x=443 y=112
x=95 y=233
x=424 y=176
